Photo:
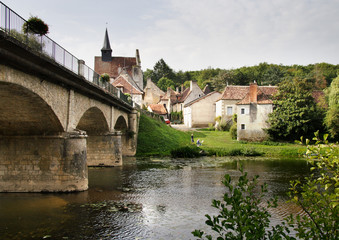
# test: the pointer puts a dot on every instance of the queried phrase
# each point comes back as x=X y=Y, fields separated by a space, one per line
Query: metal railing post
x=81 y=67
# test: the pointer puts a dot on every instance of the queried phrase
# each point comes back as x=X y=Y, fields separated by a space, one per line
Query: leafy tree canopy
x=296 y=113
x=165 y=83
x=321 y=74
x=332 y=115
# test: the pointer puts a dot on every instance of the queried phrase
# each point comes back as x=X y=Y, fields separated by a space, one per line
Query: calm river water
x=144 y=199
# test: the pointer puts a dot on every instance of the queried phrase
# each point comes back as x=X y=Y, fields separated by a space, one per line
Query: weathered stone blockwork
x=104 y=150
x=35 y=164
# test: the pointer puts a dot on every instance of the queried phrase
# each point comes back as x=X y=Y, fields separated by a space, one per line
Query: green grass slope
x=156 y=138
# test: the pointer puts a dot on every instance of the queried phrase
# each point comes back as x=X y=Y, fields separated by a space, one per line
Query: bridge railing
x=13 y=24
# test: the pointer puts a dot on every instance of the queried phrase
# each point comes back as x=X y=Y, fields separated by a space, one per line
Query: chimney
x=168 y=92
x=182 y=87
x=253 y=92
x=137 y=57
x=191 y=85
x=177 y=89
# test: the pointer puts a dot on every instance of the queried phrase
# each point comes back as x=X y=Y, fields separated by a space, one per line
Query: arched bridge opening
x=34 y=146
x=24 y=113
x=121 y=126
x=103 y=147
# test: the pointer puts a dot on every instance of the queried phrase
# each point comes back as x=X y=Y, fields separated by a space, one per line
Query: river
x=150 y=198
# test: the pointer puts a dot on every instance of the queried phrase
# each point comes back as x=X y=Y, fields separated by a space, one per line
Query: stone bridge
x=54 y=123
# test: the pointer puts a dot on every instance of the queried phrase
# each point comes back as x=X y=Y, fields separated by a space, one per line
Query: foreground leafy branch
x=319 y=195
x=242 y=214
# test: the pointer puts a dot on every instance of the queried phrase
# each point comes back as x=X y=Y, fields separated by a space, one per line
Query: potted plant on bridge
x=104 y=78
x=35 y=25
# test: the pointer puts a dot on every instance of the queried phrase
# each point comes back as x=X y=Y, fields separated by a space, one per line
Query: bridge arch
x=121 y=124
x=25 y=113
x=93 y=121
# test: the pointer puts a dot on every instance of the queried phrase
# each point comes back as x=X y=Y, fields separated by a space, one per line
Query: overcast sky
x=194 y=34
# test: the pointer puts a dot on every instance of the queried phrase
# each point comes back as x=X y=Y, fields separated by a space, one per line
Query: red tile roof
x=262 y=98
x=234 y=92
x=239 y=92
x=127 y=87
x=158 y=109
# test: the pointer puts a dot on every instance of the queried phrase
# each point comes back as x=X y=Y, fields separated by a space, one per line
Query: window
x=229 y=111
x=243 y=126
x=242 y=111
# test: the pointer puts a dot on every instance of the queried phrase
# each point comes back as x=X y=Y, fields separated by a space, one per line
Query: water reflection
x=174 y=195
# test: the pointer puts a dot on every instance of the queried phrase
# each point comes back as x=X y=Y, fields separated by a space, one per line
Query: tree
x=318 y=196
x=165 y=83
x=161 y=69
x=295 y=111
x=223 y=78
x=332 y=115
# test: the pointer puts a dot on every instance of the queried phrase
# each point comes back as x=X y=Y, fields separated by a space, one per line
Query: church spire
x=106 y=51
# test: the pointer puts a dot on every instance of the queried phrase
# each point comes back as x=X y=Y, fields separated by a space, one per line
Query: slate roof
x=158 y=109
x=106 y=45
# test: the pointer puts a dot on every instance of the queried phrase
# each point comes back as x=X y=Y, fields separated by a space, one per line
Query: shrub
x=186 y=152
x=224 y=125
x=233 y=129
x=251 y=152
x=30 y=40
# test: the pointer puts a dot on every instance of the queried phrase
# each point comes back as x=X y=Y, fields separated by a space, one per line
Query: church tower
x=106 y=51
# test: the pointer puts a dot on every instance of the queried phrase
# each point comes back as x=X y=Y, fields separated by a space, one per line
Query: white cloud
x=196 y=34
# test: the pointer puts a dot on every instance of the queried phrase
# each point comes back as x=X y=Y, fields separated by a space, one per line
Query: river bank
x=158 y=139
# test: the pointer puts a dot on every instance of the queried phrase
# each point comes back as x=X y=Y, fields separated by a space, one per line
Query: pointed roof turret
x=106 y=50
x=107 y=45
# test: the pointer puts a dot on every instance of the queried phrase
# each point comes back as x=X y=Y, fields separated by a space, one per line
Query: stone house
x=125 y=72
x=201 y=111
x=226 y=104
x=252 y=112
x=175 y=100
x=152 y=93
x=186 y=96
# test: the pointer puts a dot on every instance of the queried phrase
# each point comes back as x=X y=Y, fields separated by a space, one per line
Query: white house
x=252 y=113
x=175 y=100
x=201 y=111
x=226 y=105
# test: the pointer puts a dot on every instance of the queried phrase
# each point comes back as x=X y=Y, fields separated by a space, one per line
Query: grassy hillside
x=156 y=138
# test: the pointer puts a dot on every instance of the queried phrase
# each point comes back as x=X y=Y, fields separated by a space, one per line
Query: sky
x=194 y=34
